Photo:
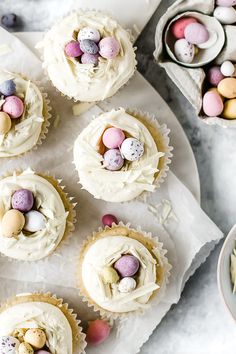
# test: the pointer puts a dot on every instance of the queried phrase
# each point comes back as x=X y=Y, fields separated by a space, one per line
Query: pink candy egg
x=13 y=106
x=72 y=49
x=109 y=219
x=226 y=3
x=109 y=48
x=196 y=33
x=98 y=331
x=113 y=138
x=212 y=104
x=214 y=75
x=179 y=26
x=87 y=58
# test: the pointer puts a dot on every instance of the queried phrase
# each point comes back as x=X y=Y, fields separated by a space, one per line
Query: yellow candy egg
x=25 y=348
x=110 y=275
x=230 y=109
x=5 y=123
x=227 y=87
x=12 y=223
x=35 y=337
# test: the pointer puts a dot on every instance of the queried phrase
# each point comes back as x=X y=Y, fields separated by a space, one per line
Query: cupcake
x=41 y=324
x=121 y=270
x=24 y=114
x=122 y=154
x=88 y=56
x=35 y=215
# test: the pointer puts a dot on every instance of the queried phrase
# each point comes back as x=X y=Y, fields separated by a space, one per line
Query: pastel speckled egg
x=88 y=46
x=127 y=284
x=13 y=106
x=178 y=27
x=184 y=51
x=8 y=88
x=132 y=149
x=5 y=123
x=127 y=266
x=212 y=104
x=113 y=138
x=214 y=75
x=89 y=33
x=113 y=160
x=35 y=337
x=12 y=223
x=230 y=109
x=109 y=219
x=227 y=87
x=72 y=49
x=109 y=48
x=9 y=345
x=22 y=200
x=227 y=68
x=34 y=221
x=225 y=15
x=226 y=3
x=110 y=275
x=87 y=58
x=196 y=33
x=25 y=348
x=98 y=331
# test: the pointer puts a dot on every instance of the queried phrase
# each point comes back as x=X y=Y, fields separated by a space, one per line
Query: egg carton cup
x=79 y=343
x=152 y=244
x=69 y=205
x=190 y=81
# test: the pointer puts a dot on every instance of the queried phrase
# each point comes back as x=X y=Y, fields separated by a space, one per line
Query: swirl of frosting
x=133 y=178
x=25 y=133
x=39 y=244
x=86 y=82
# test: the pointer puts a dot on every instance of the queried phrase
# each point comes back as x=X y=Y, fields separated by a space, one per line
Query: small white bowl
x=223 y=273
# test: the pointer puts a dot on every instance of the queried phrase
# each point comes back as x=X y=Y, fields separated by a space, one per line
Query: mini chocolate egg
x=109 y=219
x=87 y=58
x=212 y=104
x=8 y=88
x=113 y=160
x=126 y=285
x=13 y=106
x=22 y=200
x=226 y=3
x=98 y=331
x=34 y=221
x=25 y=348
x=127 y=266
x=12 y=223
x=229 y=111
x=132 y=149
x=113 y=138
x=72 y=49
x=89 y=33
x=9 y=345
x=88 y=46
x=225 y=15
x=227 y=87
x=178 y=27
x=184 y=51
x=110 y=275
x=109 y=48
x=5 y=123
x=196 y=33
x=35 y=337
x=227 y=68
x=214 y=75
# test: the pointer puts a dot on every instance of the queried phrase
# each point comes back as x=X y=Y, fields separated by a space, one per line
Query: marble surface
x=199 y=323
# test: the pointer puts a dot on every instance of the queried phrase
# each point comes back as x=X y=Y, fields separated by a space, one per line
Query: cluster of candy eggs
x=89 y=46
x=220 y=99
x=225 y=12
x=12 y=107
x=120 y=149
x=21 y=216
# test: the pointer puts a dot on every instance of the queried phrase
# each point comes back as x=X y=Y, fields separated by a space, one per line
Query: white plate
x=184 y=164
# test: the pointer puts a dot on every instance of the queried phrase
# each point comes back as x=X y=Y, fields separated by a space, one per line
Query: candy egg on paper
x=34 y=221
x=227 y=68
x=98 y=331
x=127 y=284
x=212 y=104
x=132 y=149
x=12 y=223
x=35 y=337
x=89 y=33
x=184 y=51
x=9 y=345
x=178 y=27
x=196 y=33
x=25 y=348
x=226 y=15
x=5 y=123
x=109 y=219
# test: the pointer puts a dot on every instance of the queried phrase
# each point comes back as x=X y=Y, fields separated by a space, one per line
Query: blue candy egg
x=8 y=88
x=88 y=46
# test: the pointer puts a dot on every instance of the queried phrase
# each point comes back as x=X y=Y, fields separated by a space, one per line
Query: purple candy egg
x=22 y=200
x=127 y=266
x=87 y=58
x=88 y=46
x=109 y=219
x=214 y=75
x=72 y=49
x=113 y=160
x=226 y=3
x=196 y=33
x=8 y=88
x=109 y=47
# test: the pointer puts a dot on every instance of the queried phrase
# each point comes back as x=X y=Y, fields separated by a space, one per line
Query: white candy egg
x=184 y=51
x=34 y=221
x=132 y=149
x=226 y=15
x=127 y=284
x=227 y=68
x=9 y=345
x=89 y=33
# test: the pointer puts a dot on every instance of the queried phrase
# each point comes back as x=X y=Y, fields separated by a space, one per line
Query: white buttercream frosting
x=86 y=82
x=105 y=252
x=134 y=178
x=25 y=131
x=37 y=245
x=39 y=315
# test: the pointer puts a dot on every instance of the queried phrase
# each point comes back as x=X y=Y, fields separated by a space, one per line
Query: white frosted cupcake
x=35 y=216
x=88 y=56
x=24 y=114
x=120 y=155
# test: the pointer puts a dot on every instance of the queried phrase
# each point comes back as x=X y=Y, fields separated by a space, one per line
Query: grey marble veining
x=199 y=323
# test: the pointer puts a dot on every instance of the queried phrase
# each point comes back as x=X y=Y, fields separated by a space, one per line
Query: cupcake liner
x=79 y=342
x=69 y=207
x=151 y=243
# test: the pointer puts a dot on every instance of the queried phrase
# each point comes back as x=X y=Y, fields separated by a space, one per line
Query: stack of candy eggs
x=89 y=46
x=120 y=148
x=220 y=99
x=224 y=12
x=12 y=106
x=21 y=216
